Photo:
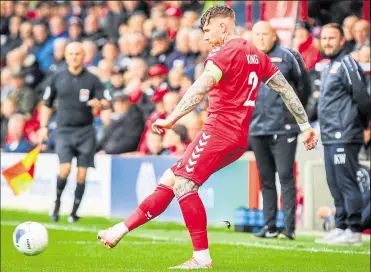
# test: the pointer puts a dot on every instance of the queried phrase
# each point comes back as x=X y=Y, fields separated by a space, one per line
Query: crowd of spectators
x=146 y=53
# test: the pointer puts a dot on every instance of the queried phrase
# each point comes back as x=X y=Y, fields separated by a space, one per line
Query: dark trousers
x=276 y=153
x=341 y=163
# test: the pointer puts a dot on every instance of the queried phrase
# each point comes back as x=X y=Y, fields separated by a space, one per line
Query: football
x=30 y=238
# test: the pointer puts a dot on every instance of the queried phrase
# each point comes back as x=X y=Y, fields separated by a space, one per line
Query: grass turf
x=156 y=246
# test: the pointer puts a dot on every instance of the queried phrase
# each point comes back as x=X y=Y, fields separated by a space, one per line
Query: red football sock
x=194 y=215
x=155 y=204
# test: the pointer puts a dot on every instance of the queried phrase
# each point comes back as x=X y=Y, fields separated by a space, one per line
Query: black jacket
x=344 y=105
x=123 y=134
x=271 y=115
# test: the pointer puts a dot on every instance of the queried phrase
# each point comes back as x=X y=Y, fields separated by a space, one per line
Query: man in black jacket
x=123 y=134
x=273 y=131
x=344 y=110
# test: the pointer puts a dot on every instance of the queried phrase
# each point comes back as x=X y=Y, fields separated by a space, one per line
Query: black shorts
x=76 y=142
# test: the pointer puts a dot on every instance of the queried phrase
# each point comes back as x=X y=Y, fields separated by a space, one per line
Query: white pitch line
x=179 y=240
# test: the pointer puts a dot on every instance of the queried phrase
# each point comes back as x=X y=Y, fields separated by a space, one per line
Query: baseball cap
x=157 y=70
x=173 y=12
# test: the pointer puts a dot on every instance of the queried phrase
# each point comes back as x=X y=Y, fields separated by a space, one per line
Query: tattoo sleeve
x=280 y=85
x=183 y=185
x=193 y=96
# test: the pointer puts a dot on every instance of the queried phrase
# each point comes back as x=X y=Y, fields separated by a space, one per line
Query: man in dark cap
x=161 y=48
x=75 y=29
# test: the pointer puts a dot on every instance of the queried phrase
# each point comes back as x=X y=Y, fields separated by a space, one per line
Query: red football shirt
x=232 y=100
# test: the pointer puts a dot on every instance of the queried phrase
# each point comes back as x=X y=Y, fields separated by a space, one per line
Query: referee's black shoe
x=55 y=215
x=287 y=234
x=267 y=233
x=73 y=218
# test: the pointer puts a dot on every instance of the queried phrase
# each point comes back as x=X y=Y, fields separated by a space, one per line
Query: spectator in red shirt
x=304 y=43
x=176 y=139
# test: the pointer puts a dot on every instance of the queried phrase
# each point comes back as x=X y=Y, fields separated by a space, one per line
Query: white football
x=30 y=238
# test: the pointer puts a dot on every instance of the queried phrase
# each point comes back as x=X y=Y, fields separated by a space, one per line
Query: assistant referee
x=77 y=92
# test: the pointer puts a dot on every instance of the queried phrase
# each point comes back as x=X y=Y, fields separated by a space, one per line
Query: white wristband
x=304 y=127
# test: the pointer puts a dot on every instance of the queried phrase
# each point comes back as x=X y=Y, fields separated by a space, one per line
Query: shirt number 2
x=252 y=80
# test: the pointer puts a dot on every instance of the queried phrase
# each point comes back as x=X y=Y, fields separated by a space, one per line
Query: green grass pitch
x=156 y=246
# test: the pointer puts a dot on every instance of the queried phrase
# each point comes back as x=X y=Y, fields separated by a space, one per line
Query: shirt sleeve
x=222 y=58
x=50 y=93
x=269 y=70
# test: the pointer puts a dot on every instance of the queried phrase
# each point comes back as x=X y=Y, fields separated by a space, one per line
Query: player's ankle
x=202 y=256
x=120 y=228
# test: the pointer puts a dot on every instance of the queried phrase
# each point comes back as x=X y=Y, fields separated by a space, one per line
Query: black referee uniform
x=75 y=136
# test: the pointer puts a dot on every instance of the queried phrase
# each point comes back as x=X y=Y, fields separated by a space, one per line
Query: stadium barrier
x=118 y=184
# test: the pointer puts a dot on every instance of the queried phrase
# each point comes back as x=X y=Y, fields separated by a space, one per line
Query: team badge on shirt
x=84 y=95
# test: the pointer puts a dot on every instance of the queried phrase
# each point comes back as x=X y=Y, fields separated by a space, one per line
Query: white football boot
x=112 y=236
x=192 y=264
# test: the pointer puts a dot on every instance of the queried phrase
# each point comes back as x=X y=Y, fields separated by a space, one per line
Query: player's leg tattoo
x=279 y=84
x=183 y=185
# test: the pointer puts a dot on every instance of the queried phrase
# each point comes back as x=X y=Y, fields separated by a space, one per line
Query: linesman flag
x=20 y=175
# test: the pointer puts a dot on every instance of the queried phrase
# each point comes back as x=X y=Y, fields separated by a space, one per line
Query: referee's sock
x=79 y=192
x=61 y=184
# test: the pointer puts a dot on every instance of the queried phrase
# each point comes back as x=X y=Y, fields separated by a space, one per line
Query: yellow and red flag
x=20 y=175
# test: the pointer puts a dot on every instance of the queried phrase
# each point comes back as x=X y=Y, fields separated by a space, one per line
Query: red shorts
x=207 y=154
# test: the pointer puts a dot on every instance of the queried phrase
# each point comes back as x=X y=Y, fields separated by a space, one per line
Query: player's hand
x=159 y=125
x=94 y=103
x=43 y=135
x=310 y=139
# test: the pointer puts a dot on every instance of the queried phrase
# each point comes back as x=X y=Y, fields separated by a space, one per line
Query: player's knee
x=183 y=186
x=168 y=178
x=64 y=170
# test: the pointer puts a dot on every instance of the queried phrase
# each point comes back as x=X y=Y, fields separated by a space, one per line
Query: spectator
x=18 y=142
x=59 y=62
x=304 y=42
x=44 y=11
x=189 y=19
x=92 y=31
x=136 y=21
x=8 y=108
x=148 y=28
x=182 y=50
x=57 y=30
x=102 y=123
x=26 y=30
x=138 y=44
x=64 y=9
x=348 y=24
x=158 y=113
x=6 y=76
x=75 y=32
x=24 y=96
x=174 y=79
x=171 y=99
x=8 y=43
x=110 y=53
x=105 y=72
x=40 y=34
x=361 y=32
x=176 y=140
x=173 y=21
x=7 y=11
x=21 y=9
x=161 y=48
x=155 y=143
x=195 y=39
x=117 y=80
x=123 y=134
x=92 y=57
x=123 y=59
x=111 y=22
x=160 y=23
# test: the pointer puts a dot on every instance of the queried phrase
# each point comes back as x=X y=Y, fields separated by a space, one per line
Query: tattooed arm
x=279 y=84
x=192 y=97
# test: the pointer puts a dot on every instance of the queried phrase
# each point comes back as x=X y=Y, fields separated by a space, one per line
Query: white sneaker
x=348 y=238
x=330 y=236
